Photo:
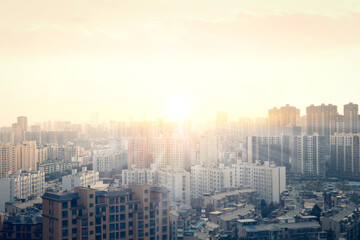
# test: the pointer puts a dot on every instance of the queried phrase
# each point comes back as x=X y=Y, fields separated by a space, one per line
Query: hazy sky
x=64 y=60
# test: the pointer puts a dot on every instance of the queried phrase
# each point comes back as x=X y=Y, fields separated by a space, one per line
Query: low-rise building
x=227 y=218
x=79 y=179
x=218 y=200
x=56 y=166
x=279 y=231
x=343 y=225
x=22 y=185
x=180 y=221
x=24 y=208
x=22 y=227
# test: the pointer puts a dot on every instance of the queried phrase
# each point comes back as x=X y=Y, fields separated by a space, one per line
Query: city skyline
x=96 y=117
x=136 y=59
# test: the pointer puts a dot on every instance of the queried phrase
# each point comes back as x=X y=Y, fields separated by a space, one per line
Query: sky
x=176 y=60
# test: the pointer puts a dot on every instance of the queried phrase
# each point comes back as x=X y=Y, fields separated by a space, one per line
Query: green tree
x=316 y=211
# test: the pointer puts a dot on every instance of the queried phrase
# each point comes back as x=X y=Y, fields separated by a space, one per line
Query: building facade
x=137 y=212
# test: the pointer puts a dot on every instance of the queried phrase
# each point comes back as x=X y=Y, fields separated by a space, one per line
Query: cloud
x=239 y=32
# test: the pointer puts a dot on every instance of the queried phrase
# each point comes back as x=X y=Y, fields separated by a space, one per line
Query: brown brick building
x=137 y=212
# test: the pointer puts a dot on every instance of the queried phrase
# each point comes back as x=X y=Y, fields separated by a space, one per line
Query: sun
x=179 y=108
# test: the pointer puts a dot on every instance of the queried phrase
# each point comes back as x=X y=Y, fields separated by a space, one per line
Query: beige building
x=173 y=152
x=279 y=118
x=138 y=153
x=7 y=159
x=26 y=156
x=138 y=212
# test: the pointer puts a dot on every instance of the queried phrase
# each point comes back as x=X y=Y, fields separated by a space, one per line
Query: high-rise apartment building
x=138 y=155
x=104 y=160
x=22 y=122
x=19 y=128
x=351 y=118
x=173 y=152
x=344 y=158
x=6 y=134
x=205 y=179
x=321 y=119
x=136 y=212
x=279 y=118
x=177 y=181
x=271 y=148
x=308 y=155
x=209 y=151
x=26 y=156
x=7 y=159
x=267 y=179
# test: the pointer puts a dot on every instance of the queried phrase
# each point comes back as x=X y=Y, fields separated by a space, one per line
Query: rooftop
x=60 y=196
x=238 y=212
x=278 y=226
x=220 y=196
x=24 y=219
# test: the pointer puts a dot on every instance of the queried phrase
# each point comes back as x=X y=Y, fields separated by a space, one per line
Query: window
x=112 y=227
x=65 y=223
x=84 y=231
x=122 y=208
x=65 y=232
x=146 y=191
x=164 y=195
x=65 y=214
x=84 y=223
x=73 y=221
x=74 y=230
x=74 y=203
x=91 y=205
x=112 y=209
x=122 y=225
x=91 y=196
x=122 y=216
x=64 y=205
x=122 y=234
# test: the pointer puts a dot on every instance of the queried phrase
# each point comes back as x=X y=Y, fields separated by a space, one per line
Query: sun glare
x=179 y=108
